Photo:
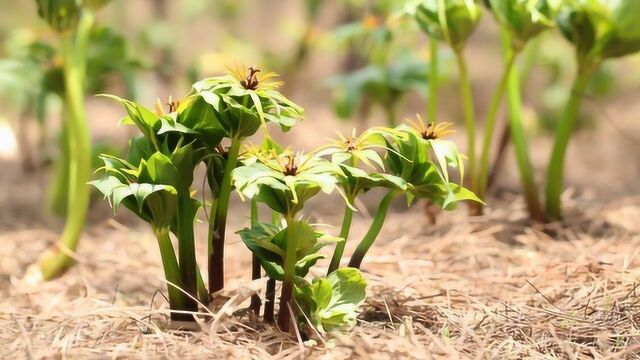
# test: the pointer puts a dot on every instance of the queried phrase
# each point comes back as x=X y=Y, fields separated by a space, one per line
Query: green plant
x=453 y=22
x=361 y=169
x=73 y=22
x=521 y=21
x=390 y=72
x=599 y=30
x=284 y=183
x=240 y=104
x=419 y=158
x=162 y=163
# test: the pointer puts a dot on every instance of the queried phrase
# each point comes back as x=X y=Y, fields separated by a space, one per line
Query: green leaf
x=147 y=121
x=332 y=303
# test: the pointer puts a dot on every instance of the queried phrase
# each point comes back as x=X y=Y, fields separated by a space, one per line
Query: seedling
x=599 y=30
x=285 y=183
x=73 y=21
x=454 y=21
x=240 y=103
x=409 y=158
x=391 y=69
x=362 y=169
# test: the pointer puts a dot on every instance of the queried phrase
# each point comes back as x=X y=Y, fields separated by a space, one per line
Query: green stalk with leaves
x=362 y=169
x=599 y=30
x=241 y=103
x=453 y=22
x=520 y=21
x=417 y=161
x=74 y=23
x=284 y=182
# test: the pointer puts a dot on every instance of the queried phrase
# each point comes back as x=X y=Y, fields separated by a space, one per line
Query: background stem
x=432 y=104
x=492 y=115
x=218 y=217
x=54 y=263
x=374 y=230
x=519 y=139
x=270 y=302
x=555 y=172
x=469 y=116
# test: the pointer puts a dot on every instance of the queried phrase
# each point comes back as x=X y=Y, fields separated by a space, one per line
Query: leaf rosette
x=243 y=102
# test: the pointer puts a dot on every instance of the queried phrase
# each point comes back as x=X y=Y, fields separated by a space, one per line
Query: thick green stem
x=344 y=234
x=284 y=314
x=469 y=116
x=218 y=221
x=54 y=263
x=374 y=230
x=255 y=262
x=519 y=139
x=58 y=192
x=432 y=104
x=187 y=248
x=177 y=299
x=555 y=172
x=489 y=126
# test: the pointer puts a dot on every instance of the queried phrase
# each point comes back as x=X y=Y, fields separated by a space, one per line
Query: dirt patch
x=490 y=287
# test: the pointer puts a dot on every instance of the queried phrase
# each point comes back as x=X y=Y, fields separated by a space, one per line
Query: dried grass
x=482 y=288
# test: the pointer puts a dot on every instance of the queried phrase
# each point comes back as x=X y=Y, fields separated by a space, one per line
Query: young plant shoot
x=520 y=21
x=73 y=21
x=361 y=170
x=240 y=103
x=154 y=182
x=599 y=30
x=412 y=171
x=284 y=183
x=454 y=21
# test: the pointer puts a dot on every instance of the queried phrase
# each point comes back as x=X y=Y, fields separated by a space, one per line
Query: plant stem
x=284 y=316
x=52 y=264
x=432 y=104
x=519 y=139
x=555 y=172
x=187 y=248
x=374 y=230
x=270 y=301
x=469 y=115
x=177 y=299
x=344 y=234
x=58 y=192
x=218 y=217
x=390 y=114
x=255 y=262
x=490 y=122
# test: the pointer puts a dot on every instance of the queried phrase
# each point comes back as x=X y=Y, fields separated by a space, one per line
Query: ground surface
x=488 y=288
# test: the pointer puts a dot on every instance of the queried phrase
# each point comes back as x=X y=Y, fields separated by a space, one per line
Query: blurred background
x=350 y=64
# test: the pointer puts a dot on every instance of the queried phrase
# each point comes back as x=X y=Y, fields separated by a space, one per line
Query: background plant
x=73 y=21
x=599 y=30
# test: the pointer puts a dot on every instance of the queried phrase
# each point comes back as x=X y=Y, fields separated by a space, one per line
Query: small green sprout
x=284 y=183
x=409 y=159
